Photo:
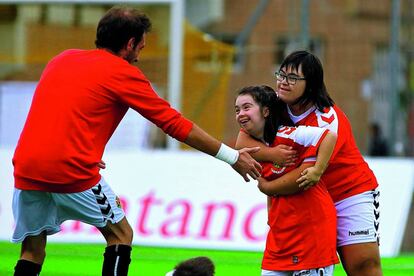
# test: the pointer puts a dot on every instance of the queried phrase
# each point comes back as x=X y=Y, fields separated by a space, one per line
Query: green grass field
x=86 y=260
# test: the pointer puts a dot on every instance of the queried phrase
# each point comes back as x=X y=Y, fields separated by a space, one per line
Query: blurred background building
x=366 y=48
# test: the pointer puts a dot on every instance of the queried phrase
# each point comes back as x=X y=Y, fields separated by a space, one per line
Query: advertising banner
x=189 y=199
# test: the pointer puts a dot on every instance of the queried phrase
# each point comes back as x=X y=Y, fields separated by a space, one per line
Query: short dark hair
x=312 y=69
x=198 y=266
x=118 y=25
x=265 y=96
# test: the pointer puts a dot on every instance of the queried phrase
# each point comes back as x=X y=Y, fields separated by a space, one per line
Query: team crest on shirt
x=277 y=169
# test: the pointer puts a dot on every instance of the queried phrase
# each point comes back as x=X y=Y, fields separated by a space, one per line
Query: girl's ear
x=266 y=112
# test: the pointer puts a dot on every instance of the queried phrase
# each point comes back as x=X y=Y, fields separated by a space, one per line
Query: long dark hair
x=120 y=24
x=265 y=96
x=315 y=91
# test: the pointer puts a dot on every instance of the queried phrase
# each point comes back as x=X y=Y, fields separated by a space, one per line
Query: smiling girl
x=302 y=235
x=350 y=182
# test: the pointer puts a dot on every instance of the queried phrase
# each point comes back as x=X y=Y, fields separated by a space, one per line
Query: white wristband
x=227 y=154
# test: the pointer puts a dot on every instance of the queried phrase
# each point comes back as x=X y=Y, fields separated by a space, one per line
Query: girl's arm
x=306 y=174
x=281 y=154
x=284 y=185
x=312 y=175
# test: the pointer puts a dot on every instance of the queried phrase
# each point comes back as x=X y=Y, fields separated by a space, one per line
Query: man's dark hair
x=265 y=96
x=315 y=91
x=199 y=266
x=120 y=24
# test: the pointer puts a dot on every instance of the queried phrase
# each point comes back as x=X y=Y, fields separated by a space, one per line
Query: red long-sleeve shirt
x=80 y=99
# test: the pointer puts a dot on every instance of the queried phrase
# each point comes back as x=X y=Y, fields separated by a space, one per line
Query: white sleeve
x=308 y=136
x=328 y=120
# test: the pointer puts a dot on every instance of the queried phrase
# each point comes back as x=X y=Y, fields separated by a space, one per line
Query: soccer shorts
x=358 y=219
x=324 y=271
x=36 y=211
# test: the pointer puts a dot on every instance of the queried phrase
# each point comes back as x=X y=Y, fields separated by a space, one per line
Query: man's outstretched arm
x=240 y=160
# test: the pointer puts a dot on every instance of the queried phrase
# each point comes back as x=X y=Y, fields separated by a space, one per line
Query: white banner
x=189 y=199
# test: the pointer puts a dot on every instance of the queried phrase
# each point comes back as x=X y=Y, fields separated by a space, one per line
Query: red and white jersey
x=305 y=140
x=302 y=231
x=347 y=174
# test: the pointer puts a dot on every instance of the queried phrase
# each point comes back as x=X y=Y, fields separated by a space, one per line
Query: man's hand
x=101 y=164
x=286 y=156
x=246 y=165
x=309 y=177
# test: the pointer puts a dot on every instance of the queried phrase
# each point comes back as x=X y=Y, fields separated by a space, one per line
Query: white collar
x=297 y=118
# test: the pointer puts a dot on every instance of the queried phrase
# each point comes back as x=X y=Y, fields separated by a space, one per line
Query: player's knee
x=33 y=249
x=128 y=234
x=41 y=255
x=118 y=233
x=34 y=255
x=366 y=267
x=123 y=234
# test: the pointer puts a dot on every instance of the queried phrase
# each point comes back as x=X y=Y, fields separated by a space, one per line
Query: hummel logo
x=302 y=273
x=328 y=119
x=361 y=232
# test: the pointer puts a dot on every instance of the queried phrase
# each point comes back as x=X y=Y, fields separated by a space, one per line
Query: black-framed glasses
x=291 y=79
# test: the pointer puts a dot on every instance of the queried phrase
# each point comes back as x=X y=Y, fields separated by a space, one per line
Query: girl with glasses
x=349 y=180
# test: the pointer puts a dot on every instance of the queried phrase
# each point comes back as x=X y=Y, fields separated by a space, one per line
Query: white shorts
x=324 y=271
x=358 y=219
x=36 y=211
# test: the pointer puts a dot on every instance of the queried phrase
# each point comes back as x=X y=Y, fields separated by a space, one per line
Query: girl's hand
x=284 y=155
x=101 y=164
x=309 y=177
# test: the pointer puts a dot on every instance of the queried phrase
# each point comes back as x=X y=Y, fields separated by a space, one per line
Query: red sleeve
x=134 y=89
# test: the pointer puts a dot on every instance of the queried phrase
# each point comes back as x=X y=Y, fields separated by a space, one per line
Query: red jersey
x=302 y=231
x=347 y=174
x=79 y=101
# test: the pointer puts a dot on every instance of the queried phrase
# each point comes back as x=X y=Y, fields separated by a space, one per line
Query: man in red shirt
x=79 y=101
